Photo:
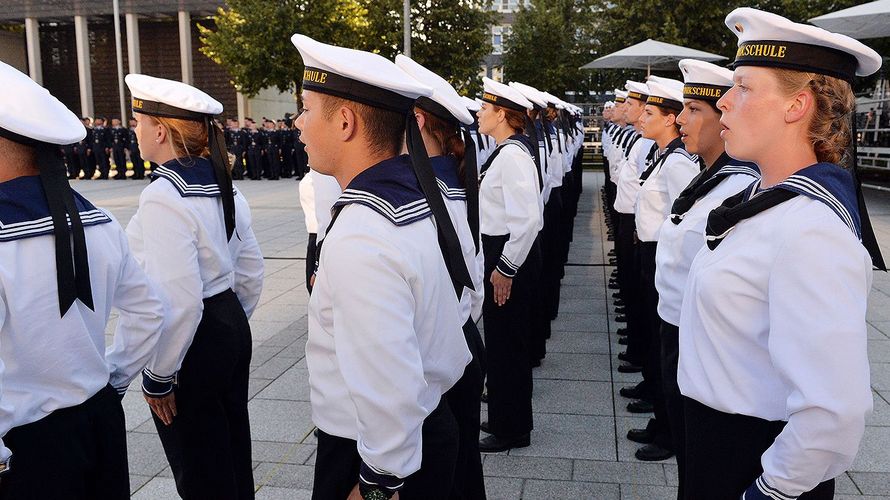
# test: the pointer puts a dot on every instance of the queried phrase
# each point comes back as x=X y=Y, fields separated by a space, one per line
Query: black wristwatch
x=374 y=493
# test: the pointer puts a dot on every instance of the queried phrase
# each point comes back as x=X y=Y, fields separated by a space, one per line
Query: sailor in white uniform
x=443 y=119
x=512 y=209
x=192 y=236
x=318 y=193
x=478 y=139
x=773 y=360
x=682 y=235
x=637 y=155
x=671 y=170
x=61 y=420
x=385 y=340
x=550 y=238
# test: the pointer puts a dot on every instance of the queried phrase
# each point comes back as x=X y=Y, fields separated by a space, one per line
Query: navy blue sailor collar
x=191 y=176
x=445 y=169
x=827 y=183
x=24 y=211
x=390 y=188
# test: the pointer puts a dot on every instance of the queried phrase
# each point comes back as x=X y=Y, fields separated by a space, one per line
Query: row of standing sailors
x=744 y=285
x=267 y=152
x=103 y=146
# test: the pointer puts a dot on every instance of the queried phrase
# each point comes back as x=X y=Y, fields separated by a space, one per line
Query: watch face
x=375 y=494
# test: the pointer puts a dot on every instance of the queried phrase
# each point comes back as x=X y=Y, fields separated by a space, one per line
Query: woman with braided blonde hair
x=773 y=362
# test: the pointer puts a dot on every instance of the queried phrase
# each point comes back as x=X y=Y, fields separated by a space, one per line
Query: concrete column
x=243 y=106
x=32 y=42
x=133 y=57
x=84 y=78
x=185 y=46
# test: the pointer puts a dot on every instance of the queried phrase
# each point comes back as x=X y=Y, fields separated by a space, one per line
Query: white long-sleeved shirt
x=385 y=338
x=51 y=362
x=180 y=241
x=510 y=204
x=628 y=178
x=247 y=258
x=318 y=192
x=679 y=243
x=773 y=326
x=660 y=189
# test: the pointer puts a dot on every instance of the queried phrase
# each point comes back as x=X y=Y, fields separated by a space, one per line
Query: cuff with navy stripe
x=372 y=477
x=761 y=490
x=506 y=267
x=154 y=385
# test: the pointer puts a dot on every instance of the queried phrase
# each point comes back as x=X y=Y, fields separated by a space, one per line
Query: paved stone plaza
x=578 y=446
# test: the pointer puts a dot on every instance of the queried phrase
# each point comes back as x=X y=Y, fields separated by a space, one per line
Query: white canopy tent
x=649 y=55
x=869 y=20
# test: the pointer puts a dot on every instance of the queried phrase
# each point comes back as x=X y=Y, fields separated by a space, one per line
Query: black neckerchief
x=706 y=181
x=671 y=147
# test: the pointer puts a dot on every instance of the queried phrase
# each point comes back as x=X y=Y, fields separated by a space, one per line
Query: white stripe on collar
x=185 y=188
x=44 y=225
x=817 y=190
x=400 y=216
x=451 y=193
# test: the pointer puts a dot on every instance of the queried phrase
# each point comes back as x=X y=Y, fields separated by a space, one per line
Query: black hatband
x=797 y=56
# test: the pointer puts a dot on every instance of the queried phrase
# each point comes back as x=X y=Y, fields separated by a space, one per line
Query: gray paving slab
x=578 y=447
x=537 y=489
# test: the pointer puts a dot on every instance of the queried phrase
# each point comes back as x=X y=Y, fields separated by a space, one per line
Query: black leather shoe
x=616 y=295
x=611 y=253
x=613 y=261
x=613 y=281
x=613 y=286
x=642 y=436
x=622 y=341
x=631 y=392
x=640 y=406
x=485 y=396
x=621 y=332
x=620 y=310
x=618 y=302
x=629 y=368
x=621 y=319
x=494 y=444
x=483 y=426
x=624 y=357
x=653 y=453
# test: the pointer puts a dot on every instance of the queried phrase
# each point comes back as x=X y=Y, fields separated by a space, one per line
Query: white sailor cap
x=471 y=104
x=609 y=104
x=357 y=75
x=29 y=113
x=666 y=93
x=169 y=98
x=770 y=40
x=636 y=90
x=445 y=102
x=703 y=80
x=549 y=98
x=620 y=96
x=504 y=95
x=532 y=94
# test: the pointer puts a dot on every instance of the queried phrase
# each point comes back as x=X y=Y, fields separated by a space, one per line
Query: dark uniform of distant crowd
x=273 y=151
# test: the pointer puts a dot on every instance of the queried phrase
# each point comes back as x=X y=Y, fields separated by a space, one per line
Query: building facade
x=69 y=47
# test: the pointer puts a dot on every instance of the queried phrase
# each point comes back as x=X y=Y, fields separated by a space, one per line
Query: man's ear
x=348 y=123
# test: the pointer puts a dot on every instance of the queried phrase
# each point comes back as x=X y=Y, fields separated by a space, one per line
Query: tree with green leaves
x=550 y=40
x=251 y=38
x=697 y=24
